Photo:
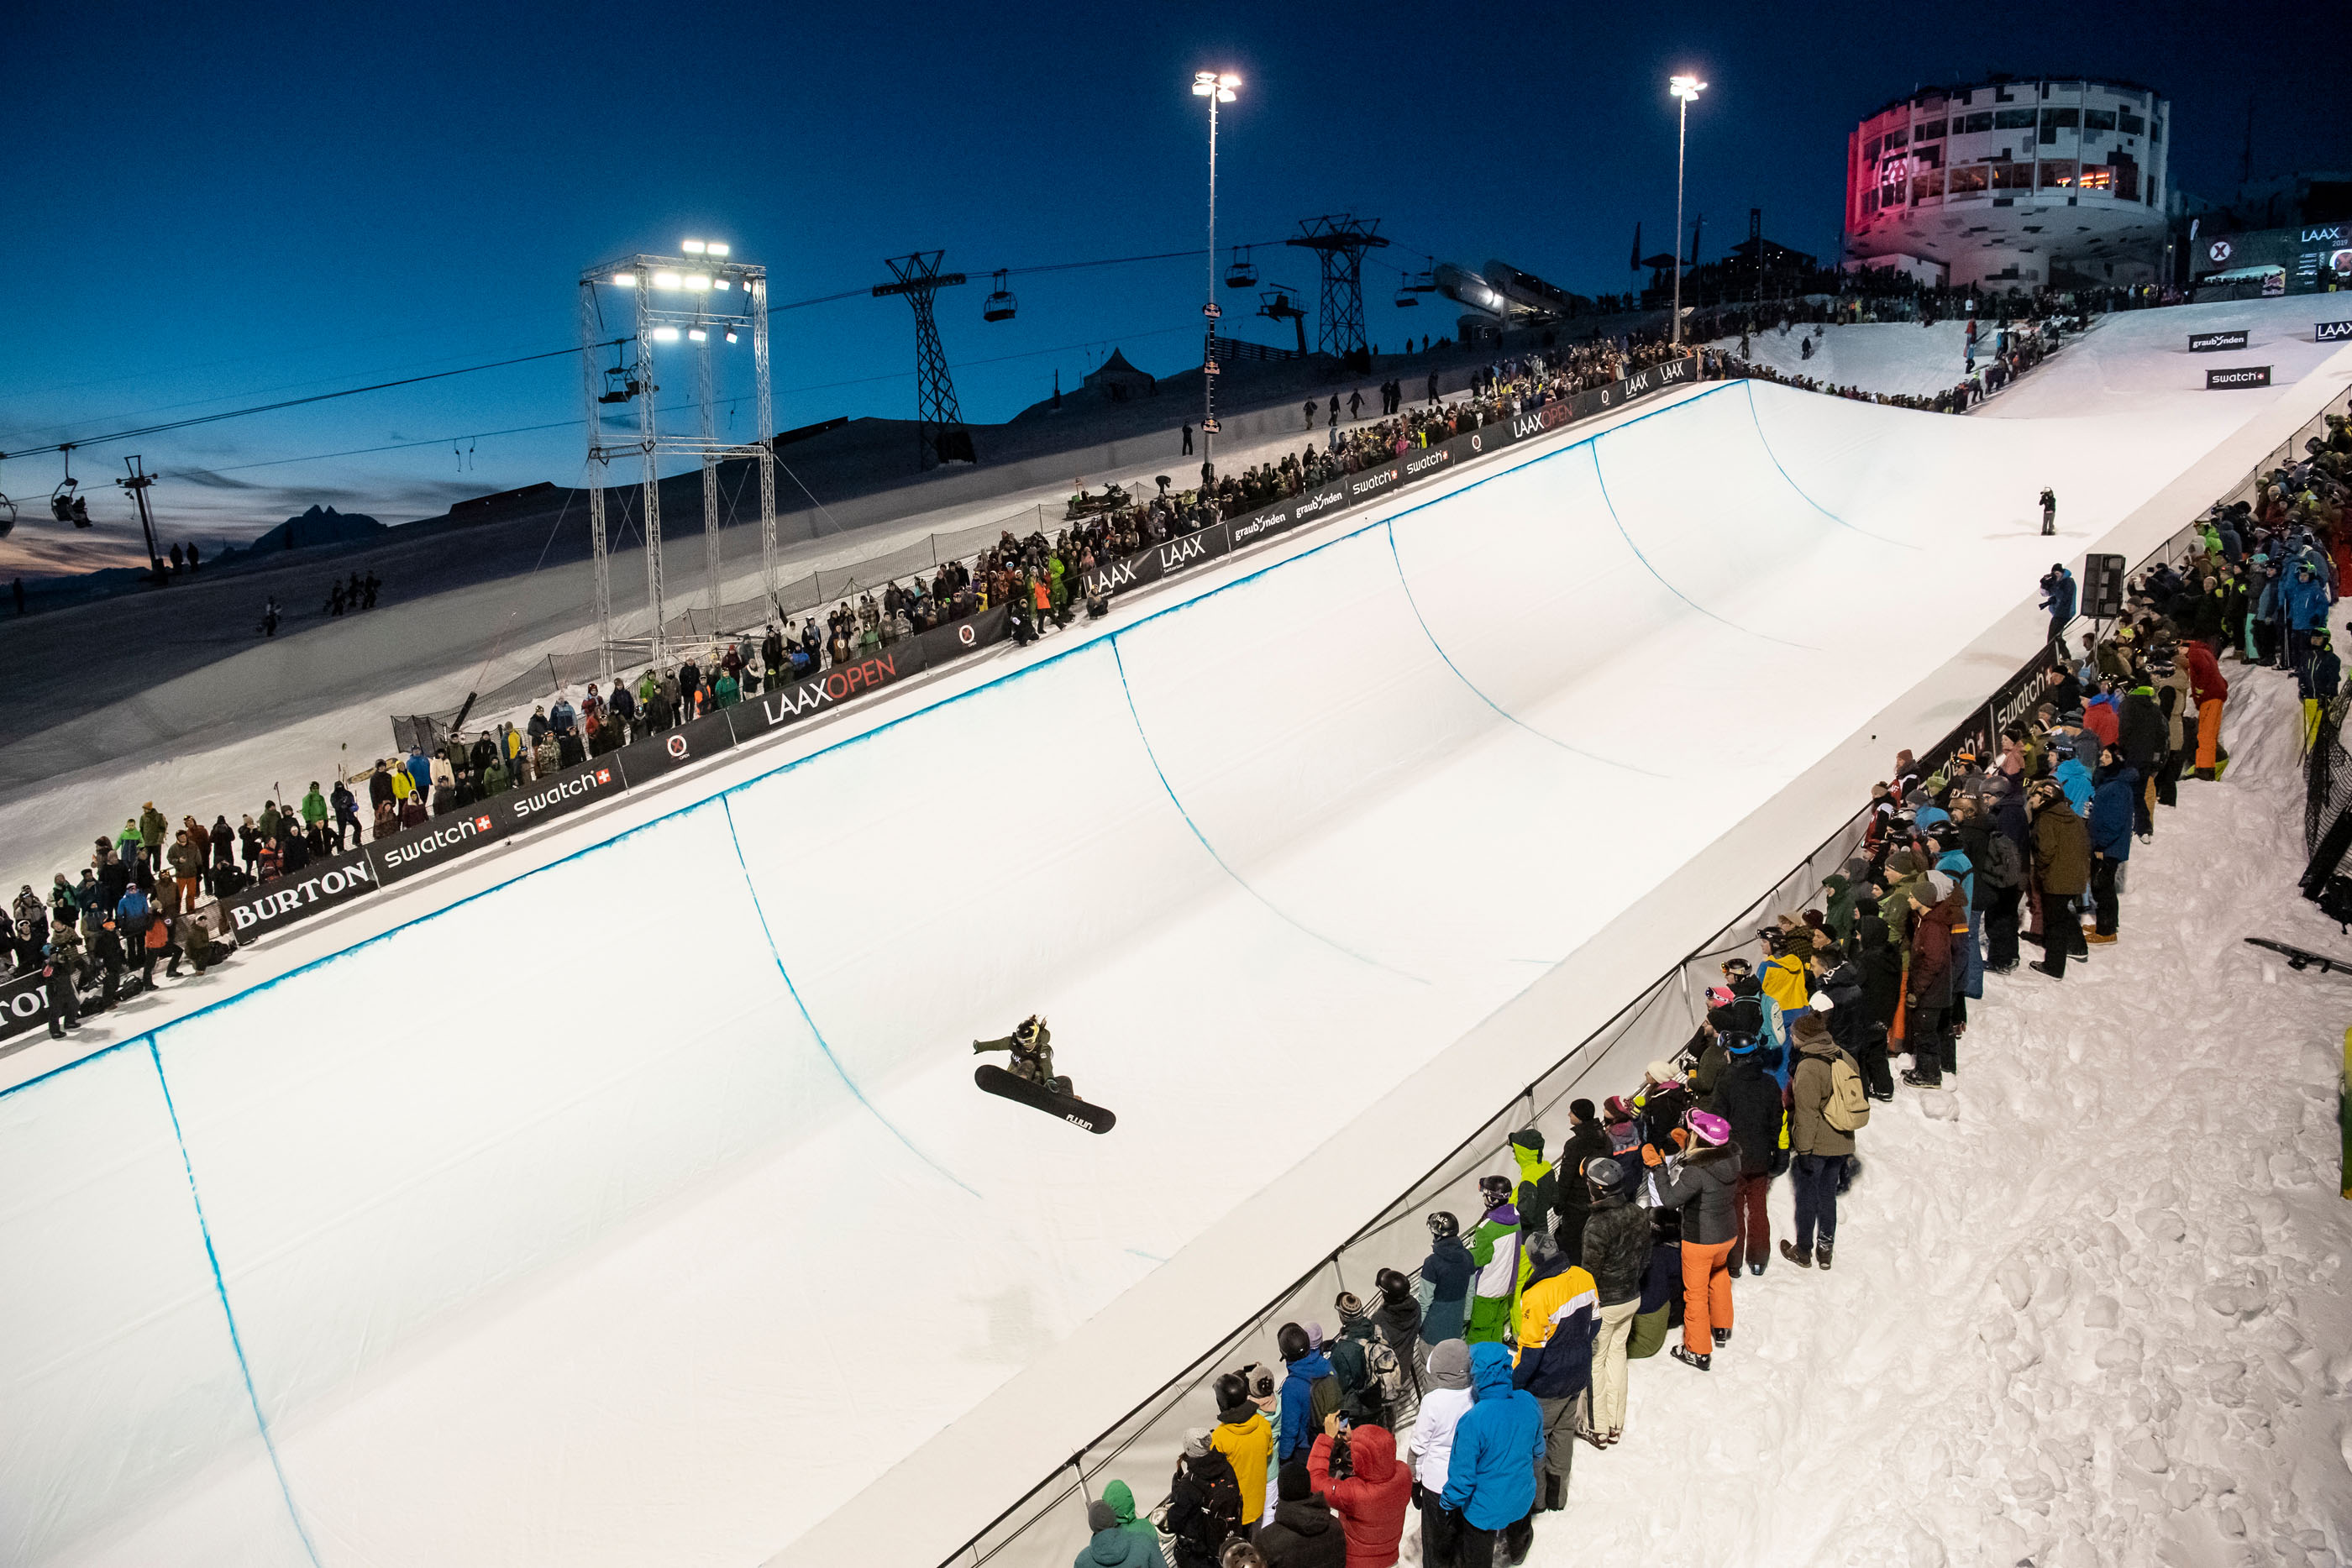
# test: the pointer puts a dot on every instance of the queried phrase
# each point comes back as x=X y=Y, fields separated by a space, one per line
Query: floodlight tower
x=1339 y=242
x=1685 y=88
x=695 y=296
x=1216 y=87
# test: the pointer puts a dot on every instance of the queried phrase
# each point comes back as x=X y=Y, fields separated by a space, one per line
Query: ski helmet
x=1444 y=1227
x=1232 y=1389
x=1494 y=1191
x=1392 y=1284
x=1709 y=1128
x=1603 y=1172
x=1290 y=1342
x=1026 y=1029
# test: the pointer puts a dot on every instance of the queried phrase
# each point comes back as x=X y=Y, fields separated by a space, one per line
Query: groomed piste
x=641 y=1209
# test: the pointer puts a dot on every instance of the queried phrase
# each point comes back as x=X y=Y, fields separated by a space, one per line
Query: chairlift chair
x=1001 y=304
x=1422 y=282
x=1406 y=299
x=66 y=503
x=1242 y=273
x=620 y=386
x=7 y=516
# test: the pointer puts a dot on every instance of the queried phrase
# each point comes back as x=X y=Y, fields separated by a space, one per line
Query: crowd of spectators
x=1452 y=1399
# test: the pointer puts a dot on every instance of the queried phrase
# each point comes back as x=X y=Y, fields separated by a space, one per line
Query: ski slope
x=642 y=1209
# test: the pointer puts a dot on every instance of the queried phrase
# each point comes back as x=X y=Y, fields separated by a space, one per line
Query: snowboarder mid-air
x=1032 y=1046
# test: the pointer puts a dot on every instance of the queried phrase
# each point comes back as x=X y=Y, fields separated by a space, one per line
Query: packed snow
x=577 y=1223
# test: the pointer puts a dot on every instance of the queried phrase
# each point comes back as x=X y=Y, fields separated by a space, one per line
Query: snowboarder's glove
x=1650 y=1154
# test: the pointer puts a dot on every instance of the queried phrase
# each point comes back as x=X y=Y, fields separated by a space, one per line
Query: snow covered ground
x=640 y=1208
x=2089 y=1309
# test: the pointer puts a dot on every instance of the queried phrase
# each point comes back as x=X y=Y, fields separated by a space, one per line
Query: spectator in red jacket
x=2209 y=691
x=1370 y=1504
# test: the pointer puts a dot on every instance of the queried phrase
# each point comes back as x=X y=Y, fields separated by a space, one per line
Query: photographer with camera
x=1356 y=1467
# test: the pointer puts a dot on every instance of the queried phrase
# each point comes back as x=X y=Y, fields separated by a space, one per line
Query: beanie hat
x=1449 y=1364
x=1351 y=1305
x=1820 y=1002
x=1196 y=1443
x=1939 y=886
x=1581 y=1109
x=1099 y=1516
x=1529 y=1140
x=1295 y=1486
x=1659 y=1072
x=1314 y=1337
x=1710 y=1127
x=1618 y=1110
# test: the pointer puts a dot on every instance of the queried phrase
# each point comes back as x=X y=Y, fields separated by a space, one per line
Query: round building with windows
x=2018 y=183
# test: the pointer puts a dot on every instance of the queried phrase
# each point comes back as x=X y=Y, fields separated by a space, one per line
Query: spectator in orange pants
x=2210 y=690
x=1702 y=1185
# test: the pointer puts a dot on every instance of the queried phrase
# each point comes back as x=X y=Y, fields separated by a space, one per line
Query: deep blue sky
x=207 y=210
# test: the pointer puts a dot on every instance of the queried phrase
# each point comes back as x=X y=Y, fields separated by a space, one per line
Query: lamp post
x=1686 y=89
x=1217 y=86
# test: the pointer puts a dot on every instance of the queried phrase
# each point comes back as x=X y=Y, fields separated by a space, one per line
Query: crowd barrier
x=1047 y=1525
x=338 y=879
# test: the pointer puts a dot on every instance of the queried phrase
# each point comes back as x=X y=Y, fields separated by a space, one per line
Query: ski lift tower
x=701 y=301
x=1338 y=241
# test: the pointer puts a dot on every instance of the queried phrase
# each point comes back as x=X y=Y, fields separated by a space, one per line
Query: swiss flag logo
x=603 y=776
x=481 y=824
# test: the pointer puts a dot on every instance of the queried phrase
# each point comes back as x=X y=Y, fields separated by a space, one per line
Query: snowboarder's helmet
x=1232 y=1389
x=1026 y=1029
x=1392 y=1284
x=1444 y=1227
x=1605 y=1174
x=1290 y=1340
x=1494 y=1191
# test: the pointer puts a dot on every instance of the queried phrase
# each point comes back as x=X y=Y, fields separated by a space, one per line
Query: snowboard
x=2304 y=957
x=1077 y=1112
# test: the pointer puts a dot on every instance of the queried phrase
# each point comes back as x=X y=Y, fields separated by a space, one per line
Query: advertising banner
x=673 y=748
x=968 y=635
x=2012 y=700
x=271 y=906
x=438 y=842
x=1285 y=515
x=24 y=1006
x=2331 y=332
x=2243 y=376
x=788 y=705
x=2206 y=343
x=553 y=796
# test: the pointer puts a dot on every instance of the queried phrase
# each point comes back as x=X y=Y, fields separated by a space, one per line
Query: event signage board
x=2238 y=376
x=558 y=794
x=2206 y=343
x=2331 y=332
x=671 y=750
x=802 y=699
x=439 y=841
x=23 y=1005
x=968 y=636
x=270 y=906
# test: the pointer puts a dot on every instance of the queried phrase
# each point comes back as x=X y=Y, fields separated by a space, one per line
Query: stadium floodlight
x=717 y=249
x=665 y=334
x=697 y=282
x=694 y=248
x=721 y=283
x=1217 y=86
x=731 y=334
x=1685 y=88
x=625 y=281
x=695 y=335
x=665 y=281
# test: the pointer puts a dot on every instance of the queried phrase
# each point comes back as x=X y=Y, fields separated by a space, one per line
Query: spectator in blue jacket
x=2058 y=598
x=2111 y=838
x=420 y=773
x=1304 y=1365
x=1490 y=1482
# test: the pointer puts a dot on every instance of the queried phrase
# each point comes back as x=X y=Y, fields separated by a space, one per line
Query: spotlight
x=694 y=248
x=731 y=334
x=665 y=334
x=665 y=281
x=697 y=281
x=695 y=335
x=720 y=284
x=717 y=249
x=625 y=281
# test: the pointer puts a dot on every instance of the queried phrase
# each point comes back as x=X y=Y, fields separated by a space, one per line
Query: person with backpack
x=1826 y=1106
x=1309 y=1393
x=1245 y=1440
x=1558 y=1313
x=1371 y=1379
x=1204 y=1502
x=1397 y=1318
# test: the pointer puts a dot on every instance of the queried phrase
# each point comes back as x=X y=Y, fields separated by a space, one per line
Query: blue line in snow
x=1766 y=441
x=816 y=1033
x=1601 y=479
x=1238 y=879
x=220 y=1288
x=1415 y=604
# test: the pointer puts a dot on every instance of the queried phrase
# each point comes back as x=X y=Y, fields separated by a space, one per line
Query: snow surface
x=641 y=1209
x=2089 y=1306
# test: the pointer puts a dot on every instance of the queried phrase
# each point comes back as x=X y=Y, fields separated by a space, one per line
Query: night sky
x=207 y=211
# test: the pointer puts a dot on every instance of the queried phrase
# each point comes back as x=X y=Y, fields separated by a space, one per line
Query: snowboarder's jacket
x=1587 y=1142
x=1749 y=1097
x=1838 y=913
x=2059 y=597
x=1360 y=1399
x=1495 y=1249
x=1117 y=1548
x=1121 y=1498
x=2206 y=684
x=314 y=808
x=1246 y=1440
x=1616 y=1247
x=1445 y=1276
x=1302 y=1533
x=1371 y=1504
x=2074 y=777
x=1782 y=976
x=2142 y=734
x=1299 y=1417
x=2110 y=811
x=1558 y=1312
x=1702 y=1187
x=1204 y=1506
x=1931 y=949
x=1809 y=1093
x=1539 y=1187
x=1491 y=1481
x=2062 y=849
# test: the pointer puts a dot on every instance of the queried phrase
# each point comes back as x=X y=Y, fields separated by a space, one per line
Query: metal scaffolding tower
x=705 y=300
x=1338 y=241
x=939 y=429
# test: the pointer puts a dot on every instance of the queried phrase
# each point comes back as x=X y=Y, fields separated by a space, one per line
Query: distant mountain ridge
x=319 y=526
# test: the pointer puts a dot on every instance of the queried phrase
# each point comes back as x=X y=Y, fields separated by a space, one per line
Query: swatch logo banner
x=2331 y=332
x=23 y=1005
x=835 y=686
x=2206 y=343
x=1364 y=486
x=2244 y=376
x=439 y=841
x=673 y=748
x=320 y=885
x=555 y=795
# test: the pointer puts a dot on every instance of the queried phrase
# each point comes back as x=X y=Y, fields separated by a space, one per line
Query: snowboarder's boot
x=1756 y=1266
x=1687 y=1359
x=1801 y=1260
x=2039 y=967
x=1722 y=1336
x=1822 y=1256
